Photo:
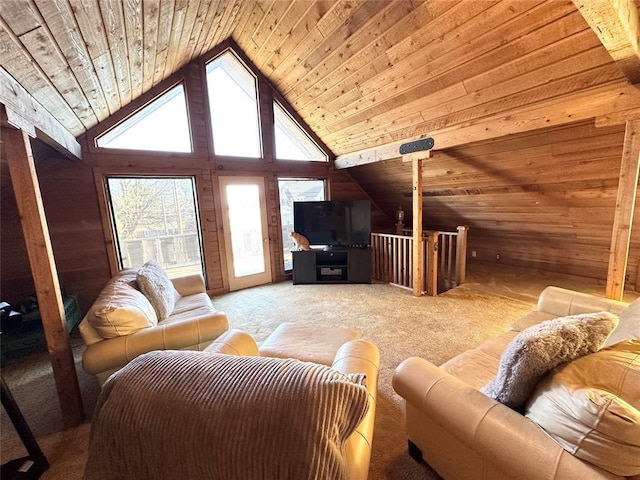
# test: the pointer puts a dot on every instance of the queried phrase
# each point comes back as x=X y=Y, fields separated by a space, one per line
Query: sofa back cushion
x=178 y=414
x=591 y=407
x=629 y=326
x=121 y=308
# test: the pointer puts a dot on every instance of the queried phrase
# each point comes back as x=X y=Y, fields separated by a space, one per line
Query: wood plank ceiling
x=362 y=73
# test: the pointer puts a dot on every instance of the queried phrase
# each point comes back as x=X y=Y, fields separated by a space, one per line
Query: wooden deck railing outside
x=392 y=259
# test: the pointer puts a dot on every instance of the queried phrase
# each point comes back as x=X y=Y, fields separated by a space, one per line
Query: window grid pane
x=292 y=142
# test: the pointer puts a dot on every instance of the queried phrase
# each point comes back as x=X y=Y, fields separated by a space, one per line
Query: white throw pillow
x=591 y=407
x=629 y=326
x=158 y=288
x=539 y=348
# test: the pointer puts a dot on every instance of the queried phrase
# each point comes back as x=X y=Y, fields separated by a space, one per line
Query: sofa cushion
x=539 y=348
x=629 y=326
x=240 y=417
x=157 y=287
x=121 y=309
x=591 y=408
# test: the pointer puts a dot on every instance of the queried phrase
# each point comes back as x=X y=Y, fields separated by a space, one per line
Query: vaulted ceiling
x=362 y=73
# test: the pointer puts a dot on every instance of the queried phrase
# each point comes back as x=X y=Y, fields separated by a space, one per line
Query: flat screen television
x=334 y=223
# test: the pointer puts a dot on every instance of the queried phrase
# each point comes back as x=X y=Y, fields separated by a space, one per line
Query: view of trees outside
x=295 y=190
x=156 y=218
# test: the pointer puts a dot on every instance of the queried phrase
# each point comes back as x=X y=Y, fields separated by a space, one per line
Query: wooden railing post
x=461 y=255
x=432 y=263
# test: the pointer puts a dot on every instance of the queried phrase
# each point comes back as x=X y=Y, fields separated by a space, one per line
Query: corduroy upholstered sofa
x=592 y=400
x=122 y=324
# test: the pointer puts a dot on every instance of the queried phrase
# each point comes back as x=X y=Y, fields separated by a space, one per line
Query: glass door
x=244 y=218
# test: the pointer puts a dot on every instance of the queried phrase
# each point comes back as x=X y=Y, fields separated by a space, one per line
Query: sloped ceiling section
x=361 y=73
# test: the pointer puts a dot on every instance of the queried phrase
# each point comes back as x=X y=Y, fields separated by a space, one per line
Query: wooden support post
x=418 y=249
x=623 y=219
x=17 y=150
x=432 y=264
x=461 y=255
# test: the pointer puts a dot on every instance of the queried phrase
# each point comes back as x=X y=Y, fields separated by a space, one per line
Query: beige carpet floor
x=400 y=324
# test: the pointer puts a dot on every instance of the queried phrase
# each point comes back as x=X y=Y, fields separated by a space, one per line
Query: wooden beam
x=623 y=220
x=17 y=152
x=617 y=25
x=584 y=105
x=24 y=112
x=418 y=250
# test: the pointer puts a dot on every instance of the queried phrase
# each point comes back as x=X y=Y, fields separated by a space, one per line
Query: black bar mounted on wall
x=417 y=146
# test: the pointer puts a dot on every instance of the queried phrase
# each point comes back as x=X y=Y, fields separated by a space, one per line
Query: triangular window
x=292 y=142
x=161 y=126
x=233 y=106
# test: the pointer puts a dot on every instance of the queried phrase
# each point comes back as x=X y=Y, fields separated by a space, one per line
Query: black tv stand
x=332 y=265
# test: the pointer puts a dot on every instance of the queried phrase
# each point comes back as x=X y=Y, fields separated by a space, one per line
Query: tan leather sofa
x=464 y=434
x=121 y=324
x=355 y=356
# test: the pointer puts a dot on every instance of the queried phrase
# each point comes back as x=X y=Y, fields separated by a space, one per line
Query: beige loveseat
x=122 y=324
x=241 y=416
x=464 y=434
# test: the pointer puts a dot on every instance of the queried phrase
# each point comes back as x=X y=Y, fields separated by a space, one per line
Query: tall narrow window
x=160 y=126
x=156 y=218
x=292 y=142
x=234 y=107
x=295 y=190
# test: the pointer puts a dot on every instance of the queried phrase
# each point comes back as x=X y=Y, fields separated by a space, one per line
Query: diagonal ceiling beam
x=617 y=25
x=24 y=112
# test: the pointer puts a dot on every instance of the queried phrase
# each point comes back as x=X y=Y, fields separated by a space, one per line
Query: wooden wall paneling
x=197 y=108
x=625 y=204
x=162 y=40
x=133 y=30
x=34 y=224
x=275 y=244
x=211 y=227
x=114 y=27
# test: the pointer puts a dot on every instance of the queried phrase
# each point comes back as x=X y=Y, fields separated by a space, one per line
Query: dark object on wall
x=33 y=465
x=417 y=146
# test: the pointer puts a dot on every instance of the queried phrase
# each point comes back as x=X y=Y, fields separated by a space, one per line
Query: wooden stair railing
x=392 y=258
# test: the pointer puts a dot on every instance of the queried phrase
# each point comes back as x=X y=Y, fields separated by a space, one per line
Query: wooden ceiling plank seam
x=289 y=20
x=367 y=42
x=199 y=27
x=245 y=15
x=274 y=16
x=89 y=21
x=459 y=70
x=21 y=65
x=324 y=27
x=112 y=18
x=165 y=29
x=150 y=22
x=617 y=25
x=44 y=50
x=177 y=26
x=586 y=104
x=65 y=32
x=134 y=30
x=211 y=25
x=229 y=20
x=243 y=35
x=349 y=74
x=346 y=32
x=437 y=118
x=181 y=54
x=319 y=9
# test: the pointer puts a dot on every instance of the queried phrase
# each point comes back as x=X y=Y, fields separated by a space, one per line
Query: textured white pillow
x=629 y=326
x=179 y=414
x=158 y=288
x=539 y=348
x=591 y=407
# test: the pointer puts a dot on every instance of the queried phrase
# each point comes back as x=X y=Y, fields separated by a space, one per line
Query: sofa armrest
x=561 y=302
x=234 y=342
x=195 y=333
x=360 y=356
x=189 y=284
x=497 y=433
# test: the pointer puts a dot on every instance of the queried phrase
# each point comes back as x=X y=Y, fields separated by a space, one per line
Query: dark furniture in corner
x=338 y=265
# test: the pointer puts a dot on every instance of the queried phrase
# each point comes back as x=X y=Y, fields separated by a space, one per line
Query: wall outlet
x=473 y=253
